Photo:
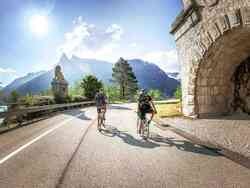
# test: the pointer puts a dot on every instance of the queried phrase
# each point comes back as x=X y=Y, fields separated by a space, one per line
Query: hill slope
x=21 y=81
x=150 y=76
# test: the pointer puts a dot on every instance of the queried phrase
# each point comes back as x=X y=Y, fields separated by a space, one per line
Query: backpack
x=144 y=102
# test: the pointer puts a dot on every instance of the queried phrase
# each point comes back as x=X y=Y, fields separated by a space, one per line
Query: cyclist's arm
x=153 y=106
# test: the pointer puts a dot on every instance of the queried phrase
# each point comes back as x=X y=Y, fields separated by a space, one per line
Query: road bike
x=101 y=119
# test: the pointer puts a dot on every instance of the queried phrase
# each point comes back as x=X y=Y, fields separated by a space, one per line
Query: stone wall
x=212 y=39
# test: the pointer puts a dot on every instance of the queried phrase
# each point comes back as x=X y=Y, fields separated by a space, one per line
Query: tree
x=178 y=93
x=125 y=78
x=155 y=94
x=90 y=85
x=14 y=96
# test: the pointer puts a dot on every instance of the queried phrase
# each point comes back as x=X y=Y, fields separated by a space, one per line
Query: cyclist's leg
x=98 y=117
x=151 y=117
x=152 y=114
x=104 y=113
x=103 y=117
x=142 y=117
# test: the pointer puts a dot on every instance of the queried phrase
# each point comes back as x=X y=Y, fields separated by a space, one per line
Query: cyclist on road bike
x=101 y=102
x=145 y=106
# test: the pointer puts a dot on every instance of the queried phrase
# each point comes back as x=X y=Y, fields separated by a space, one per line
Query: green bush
x=178 y=93
x=155 y=94
x=112 y=92
x=79 y=98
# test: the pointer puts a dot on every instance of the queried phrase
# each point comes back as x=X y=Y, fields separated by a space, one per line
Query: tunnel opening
x=223 y=77
x=241 y=80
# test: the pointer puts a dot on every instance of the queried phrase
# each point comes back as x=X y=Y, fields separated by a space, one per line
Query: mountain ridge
x=149 y=75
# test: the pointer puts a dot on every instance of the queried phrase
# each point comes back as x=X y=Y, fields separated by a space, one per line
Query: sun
x=39 y=25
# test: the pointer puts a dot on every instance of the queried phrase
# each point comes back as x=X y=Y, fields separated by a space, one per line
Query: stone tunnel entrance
x=241 y=80
x=220 y=90
x=212 y=39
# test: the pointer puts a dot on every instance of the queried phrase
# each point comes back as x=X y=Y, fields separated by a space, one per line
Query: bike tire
x=147 y=130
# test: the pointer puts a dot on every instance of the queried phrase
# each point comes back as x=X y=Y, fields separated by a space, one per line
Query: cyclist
x=101 y=103
x=145 y=106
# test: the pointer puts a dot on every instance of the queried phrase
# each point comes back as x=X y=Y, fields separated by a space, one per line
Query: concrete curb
x=234 y=156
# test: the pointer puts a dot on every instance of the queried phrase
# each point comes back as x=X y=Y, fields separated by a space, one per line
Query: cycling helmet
x=143 y=91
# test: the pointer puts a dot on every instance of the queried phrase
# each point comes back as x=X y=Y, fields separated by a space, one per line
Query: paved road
x=66 y=151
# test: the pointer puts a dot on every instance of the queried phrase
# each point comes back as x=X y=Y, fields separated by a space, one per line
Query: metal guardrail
x=48 y=108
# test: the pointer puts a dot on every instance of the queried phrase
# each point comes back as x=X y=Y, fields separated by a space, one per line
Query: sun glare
x=39 y=25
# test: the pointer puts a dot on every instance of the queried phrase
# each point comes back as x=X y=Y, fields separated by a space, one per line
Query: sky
x=35 y=33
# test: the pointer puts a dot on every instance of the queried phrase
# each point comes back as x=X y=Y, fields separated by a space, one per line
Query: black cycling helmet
x=143 y=91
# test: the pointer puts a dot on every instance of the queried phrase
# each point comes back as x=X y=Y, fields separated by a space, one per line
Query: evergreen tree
x=14 y=96
x=124 y=76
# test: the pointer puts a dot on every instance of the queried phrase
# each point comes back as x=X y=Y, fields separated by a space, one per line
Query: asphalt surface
x=67 y=151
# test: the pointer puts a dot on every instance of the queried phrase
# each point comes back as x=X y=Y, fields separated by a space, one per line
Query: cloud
x=7 y=75
x=166 y=60
x=7 y=71
x=88 y=41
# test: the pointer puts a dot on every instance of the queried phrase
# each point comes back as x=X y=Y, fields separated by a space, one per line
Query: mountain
x=73 y=69
x=148 y=75
x=21 y=81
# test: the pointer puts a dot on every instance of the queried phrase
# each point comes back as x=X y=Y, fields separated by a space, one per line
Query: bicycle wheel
x=138 y=124
x=143 y=131
x=147 y=129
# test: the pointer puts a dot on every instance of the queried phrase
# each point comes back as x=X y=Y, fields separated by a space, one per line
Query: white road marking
x=36 y=139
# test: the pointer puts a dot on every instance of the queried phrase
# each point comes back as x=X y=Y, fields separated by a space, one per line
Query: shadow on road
x=156 y=139
x=76 y=112
x=116 y=107
x=127 y=138
x=184 y=145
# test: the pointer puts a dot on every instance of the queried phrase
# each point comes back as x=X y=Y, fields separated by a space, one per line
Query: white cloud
x=87 y=41
x=166 y=60
x=7 y=71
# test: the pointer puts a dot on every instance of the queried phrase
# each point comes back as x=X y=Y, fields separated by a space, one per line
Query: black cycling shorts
x=142 y=113
x=99 y=109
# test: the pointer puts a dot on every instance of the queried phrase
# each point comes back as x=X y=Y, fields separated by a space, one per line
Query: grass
x=168 y=109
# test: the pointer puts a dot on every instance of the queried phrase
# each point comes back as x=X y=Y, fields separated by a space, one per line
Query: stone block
x=223 y=23
x=234 y=18
x=214 y=31
x=245 y=12
x=191 y=99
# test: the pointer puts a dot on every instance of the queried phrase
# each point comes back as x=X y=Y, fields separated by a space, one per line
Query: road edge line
x=12 y=154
